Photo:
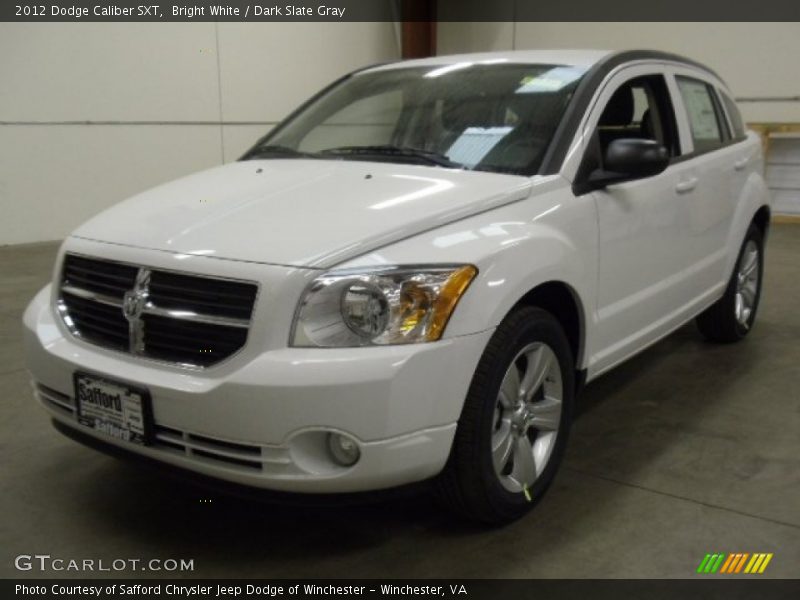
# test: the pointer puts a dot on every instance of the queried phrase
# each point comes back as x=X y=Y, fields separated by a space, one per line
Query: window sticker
x=701 y=112
x=475 y=143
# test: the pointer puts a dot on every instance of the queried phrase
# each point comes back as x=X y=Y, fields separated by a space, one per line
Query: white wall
x=143 y=83
x=755 y=59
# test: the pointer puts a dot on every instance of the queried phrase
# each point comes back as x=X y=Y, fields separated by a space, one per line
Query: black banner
x=471 y=589
x=398 y=10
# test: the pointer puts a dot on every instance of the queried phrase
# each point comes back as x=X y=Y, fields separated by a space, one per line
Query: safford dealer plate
x=116 y=409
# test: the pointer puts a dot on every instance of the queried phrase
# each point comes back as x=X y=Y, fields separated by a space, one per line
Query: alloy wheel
x=527 y=415
x=747 y=284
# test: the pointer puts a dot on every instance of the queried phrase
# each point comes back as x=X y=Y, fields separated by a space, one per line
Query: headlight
x=386 y=305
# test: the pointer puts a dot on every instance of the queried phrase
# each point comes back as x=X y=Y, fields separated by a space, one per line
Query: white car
x=411 y=277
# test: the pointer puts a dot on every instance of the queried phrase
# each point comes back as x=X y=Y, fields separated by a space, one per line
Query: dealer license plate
x=116 y=409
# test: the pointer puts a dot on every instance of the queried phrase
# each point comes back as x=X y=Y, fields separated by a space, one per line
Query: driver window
x=640 y=108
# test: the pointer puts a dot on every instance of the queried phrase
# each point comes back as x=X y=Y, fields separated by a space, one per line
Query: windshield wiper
x=276 y=152
x=433 y=158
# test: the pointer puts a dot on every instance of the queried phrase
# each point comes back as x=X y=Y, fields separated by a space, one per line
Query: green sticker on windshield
x=551 y=81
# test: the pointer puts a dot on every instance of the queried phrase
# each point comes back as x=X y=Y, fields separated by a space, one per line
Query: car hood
x=299 y=212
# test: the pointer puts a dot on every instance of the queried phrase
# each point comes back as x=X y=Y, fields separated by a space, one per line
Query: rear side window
x=708 y=127
x=734 y=116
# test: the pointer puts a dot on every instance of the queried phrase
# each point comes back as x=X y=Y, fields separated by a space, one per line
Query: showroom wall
x=93 y=113
x=757 y=60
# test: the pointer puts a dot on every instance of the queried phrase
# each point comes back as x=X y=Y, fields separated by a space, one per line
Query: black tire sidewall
x=536 y=326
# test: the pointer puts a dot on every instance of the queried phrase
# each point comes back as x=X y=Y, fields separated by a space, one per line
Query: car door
x=743 y=158
x=715 y=163
x=643 y=288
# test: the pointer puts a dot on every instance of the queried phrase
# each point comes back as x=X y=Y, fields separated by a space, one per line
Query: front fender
x=550 y=236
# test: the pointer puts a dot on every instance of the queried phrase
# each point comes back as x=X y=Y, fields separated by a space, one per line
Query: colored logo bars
x=735 y=562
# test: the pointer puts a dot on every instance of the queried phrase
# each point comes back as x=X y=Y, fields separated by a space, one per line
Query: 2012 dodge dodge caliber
x=411 y=276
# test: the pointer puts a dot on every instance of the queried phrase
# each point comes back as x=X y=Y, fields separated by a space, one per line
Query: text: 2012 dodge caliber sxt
x=411 y=276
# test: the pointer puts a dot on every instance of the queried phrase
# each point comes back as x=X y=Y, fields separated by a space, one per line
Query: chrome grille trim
x=90 y=295
x=180 y=318
x=187 y=315
x=152 y=309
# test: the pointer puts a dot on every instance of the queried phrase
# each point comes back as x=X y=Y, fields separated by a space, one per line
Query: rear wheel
x=515 y=422
x=731 y=318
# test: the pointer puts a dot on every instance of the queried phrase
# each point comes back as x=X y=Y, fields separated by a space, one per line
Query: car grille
x=55 y=399
x=175 y=317
x=204 y=448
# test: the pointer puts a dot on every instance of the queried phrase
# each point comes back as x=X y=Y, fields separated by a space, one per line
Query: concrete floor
x=689 y=448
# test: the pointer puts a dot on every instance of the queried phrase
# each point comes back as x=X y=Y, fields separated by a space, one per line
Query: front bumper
x=263 y=420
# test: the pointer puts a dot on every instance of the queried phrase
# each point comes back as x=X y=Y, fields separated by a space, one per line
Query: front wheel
x=515 y=422
x=731 y=318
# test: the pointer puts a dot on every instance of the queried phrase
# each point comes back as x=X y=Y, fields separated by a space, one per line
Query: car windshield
x=489 y=117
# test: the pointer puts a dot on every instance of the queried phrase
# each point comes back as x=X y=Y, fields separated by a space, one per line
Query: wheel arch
x=563 y=302
x=762 y=219
x=752 y=207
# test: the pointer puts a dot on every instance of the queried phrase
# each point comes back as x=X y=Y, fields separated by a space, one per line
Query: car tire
x=731 y=318
x=515 y=422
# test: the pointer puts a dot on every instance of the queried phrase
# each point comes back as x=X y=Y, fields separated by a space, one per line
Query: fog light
x=344 y=449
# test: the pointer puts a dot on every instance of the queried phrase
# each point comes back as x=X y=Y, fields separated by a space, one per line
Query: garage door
x=783 y=174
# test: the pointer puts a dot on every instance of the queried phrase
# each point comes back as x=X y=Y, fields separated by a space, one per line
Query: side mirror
x=629 y=159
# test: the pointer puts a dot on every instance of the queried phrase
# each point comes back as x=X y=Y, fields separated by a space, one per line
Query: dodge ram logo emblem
x=134 y=303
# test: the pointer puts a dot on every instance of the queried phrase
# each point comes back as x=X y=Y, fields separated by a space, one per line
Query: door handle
x=740 y=164
x=686 y=186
